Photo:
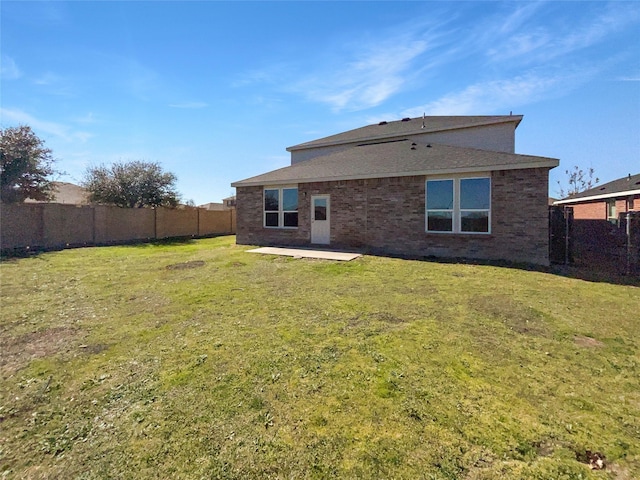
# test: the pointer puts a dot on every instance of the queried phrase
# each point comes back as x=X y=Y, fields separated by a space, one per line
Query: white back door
x=320 y=219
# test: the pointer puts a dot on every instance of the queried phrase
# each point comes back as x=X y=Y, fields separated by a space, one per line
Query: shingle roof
x=629 y=185
x=65 y=192
x=401 y=128
x=396 y=159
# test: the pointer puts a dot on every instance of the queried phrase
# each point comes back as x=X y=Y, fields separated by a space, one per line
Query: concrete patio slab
x=304 y=253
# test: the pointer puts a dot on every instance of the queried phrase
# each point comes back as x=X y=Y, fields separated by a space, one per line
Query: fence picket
x=53 y=226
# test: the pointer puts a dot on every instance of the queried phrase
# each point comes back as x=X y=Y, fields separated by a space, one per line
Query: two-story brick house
x=430 y=186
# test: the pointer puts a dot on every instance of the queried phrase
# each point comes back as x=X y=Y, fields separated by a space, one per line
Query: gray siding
x=498 y=138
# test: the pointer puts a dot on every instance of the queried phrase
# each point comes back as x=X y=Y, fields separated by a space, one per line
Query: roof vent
x=428 y=145
x=406 y=119
x=413 y=148
x=413 y=144
x=382 y=123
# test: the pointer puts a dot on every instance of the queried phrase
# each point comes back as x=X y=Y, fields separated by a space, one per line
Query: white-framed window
x=611 y=210
x=281 y=207
x=458 y=205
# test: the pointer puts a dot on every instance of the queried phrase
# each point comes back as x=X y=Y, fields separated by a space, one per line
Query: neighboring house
x=67 y=193
x=229 y=202
x=430 y=186
x=607 y=201
x=212 y=206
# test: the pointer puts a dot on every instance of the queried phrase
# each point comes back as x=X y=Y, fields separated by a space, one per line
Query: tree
x=578 y=180
x=25 y=165
x=133 y=184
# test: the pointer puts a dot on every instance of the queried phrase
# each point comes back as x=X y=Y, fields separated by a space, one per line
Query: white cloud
x=366 y=70
x=531 y=48
x=89 y=118
x=539 y=43
x=54 y=84
x=494 y=96
x=9 y=69
x=272 y=74
x=602 y=26
x=520 y=46
x=367 y=81
x=523 y=42
x=635 y=78
x=47 y=79
x=517 y=18
x=64 y=132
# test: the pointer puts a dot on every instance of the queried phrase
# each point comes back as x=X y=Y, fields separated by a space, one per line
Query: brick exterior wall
x=597 y=209
x=387 y=216
x=590 y=210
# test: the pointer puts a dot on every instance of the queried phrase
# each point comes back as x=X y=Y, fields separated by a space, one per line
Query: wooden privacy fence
x=53 y=225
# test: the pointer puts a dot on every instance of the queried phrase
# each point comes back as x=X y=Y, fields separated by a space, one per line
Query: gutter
x=602 y=196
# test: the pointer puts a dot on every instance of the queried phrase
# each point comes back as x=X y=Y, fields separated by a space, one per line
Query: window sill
x=461 y=234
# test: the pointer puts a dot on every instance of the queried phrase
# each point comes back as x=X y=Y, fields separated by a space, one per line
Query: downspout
x=366 y=213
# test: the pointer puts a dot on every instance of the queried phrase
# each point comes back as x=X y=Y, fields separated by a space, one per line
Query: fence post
x=566 y=237
x=629 y=246
x=42 y=231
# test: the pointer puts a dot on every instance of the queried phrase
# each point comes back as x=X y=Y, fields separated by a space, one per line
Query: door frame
x=314 y=238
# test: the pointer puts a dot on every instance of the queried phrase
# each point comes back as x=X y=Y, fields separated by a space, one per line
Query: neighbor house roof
x=212 y=206
x=396 y=159
x=622 y=187
x=407 y=126
x=65 y=192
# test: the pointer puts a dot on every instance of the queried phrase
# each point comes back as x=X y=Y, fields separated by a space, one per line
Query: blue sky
x=215 y=91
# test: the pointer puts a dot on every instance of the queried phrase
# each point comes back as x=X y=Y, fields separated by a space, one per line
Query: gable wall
x=388 y=216
x=499 y=138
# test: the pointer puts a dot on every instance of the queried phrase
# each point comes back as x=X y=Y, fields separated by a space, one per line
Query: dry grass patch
x=588 y=342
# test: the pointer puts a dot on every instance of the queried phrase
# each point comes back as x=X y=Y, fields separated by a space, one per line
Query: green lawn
x=199 y=360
